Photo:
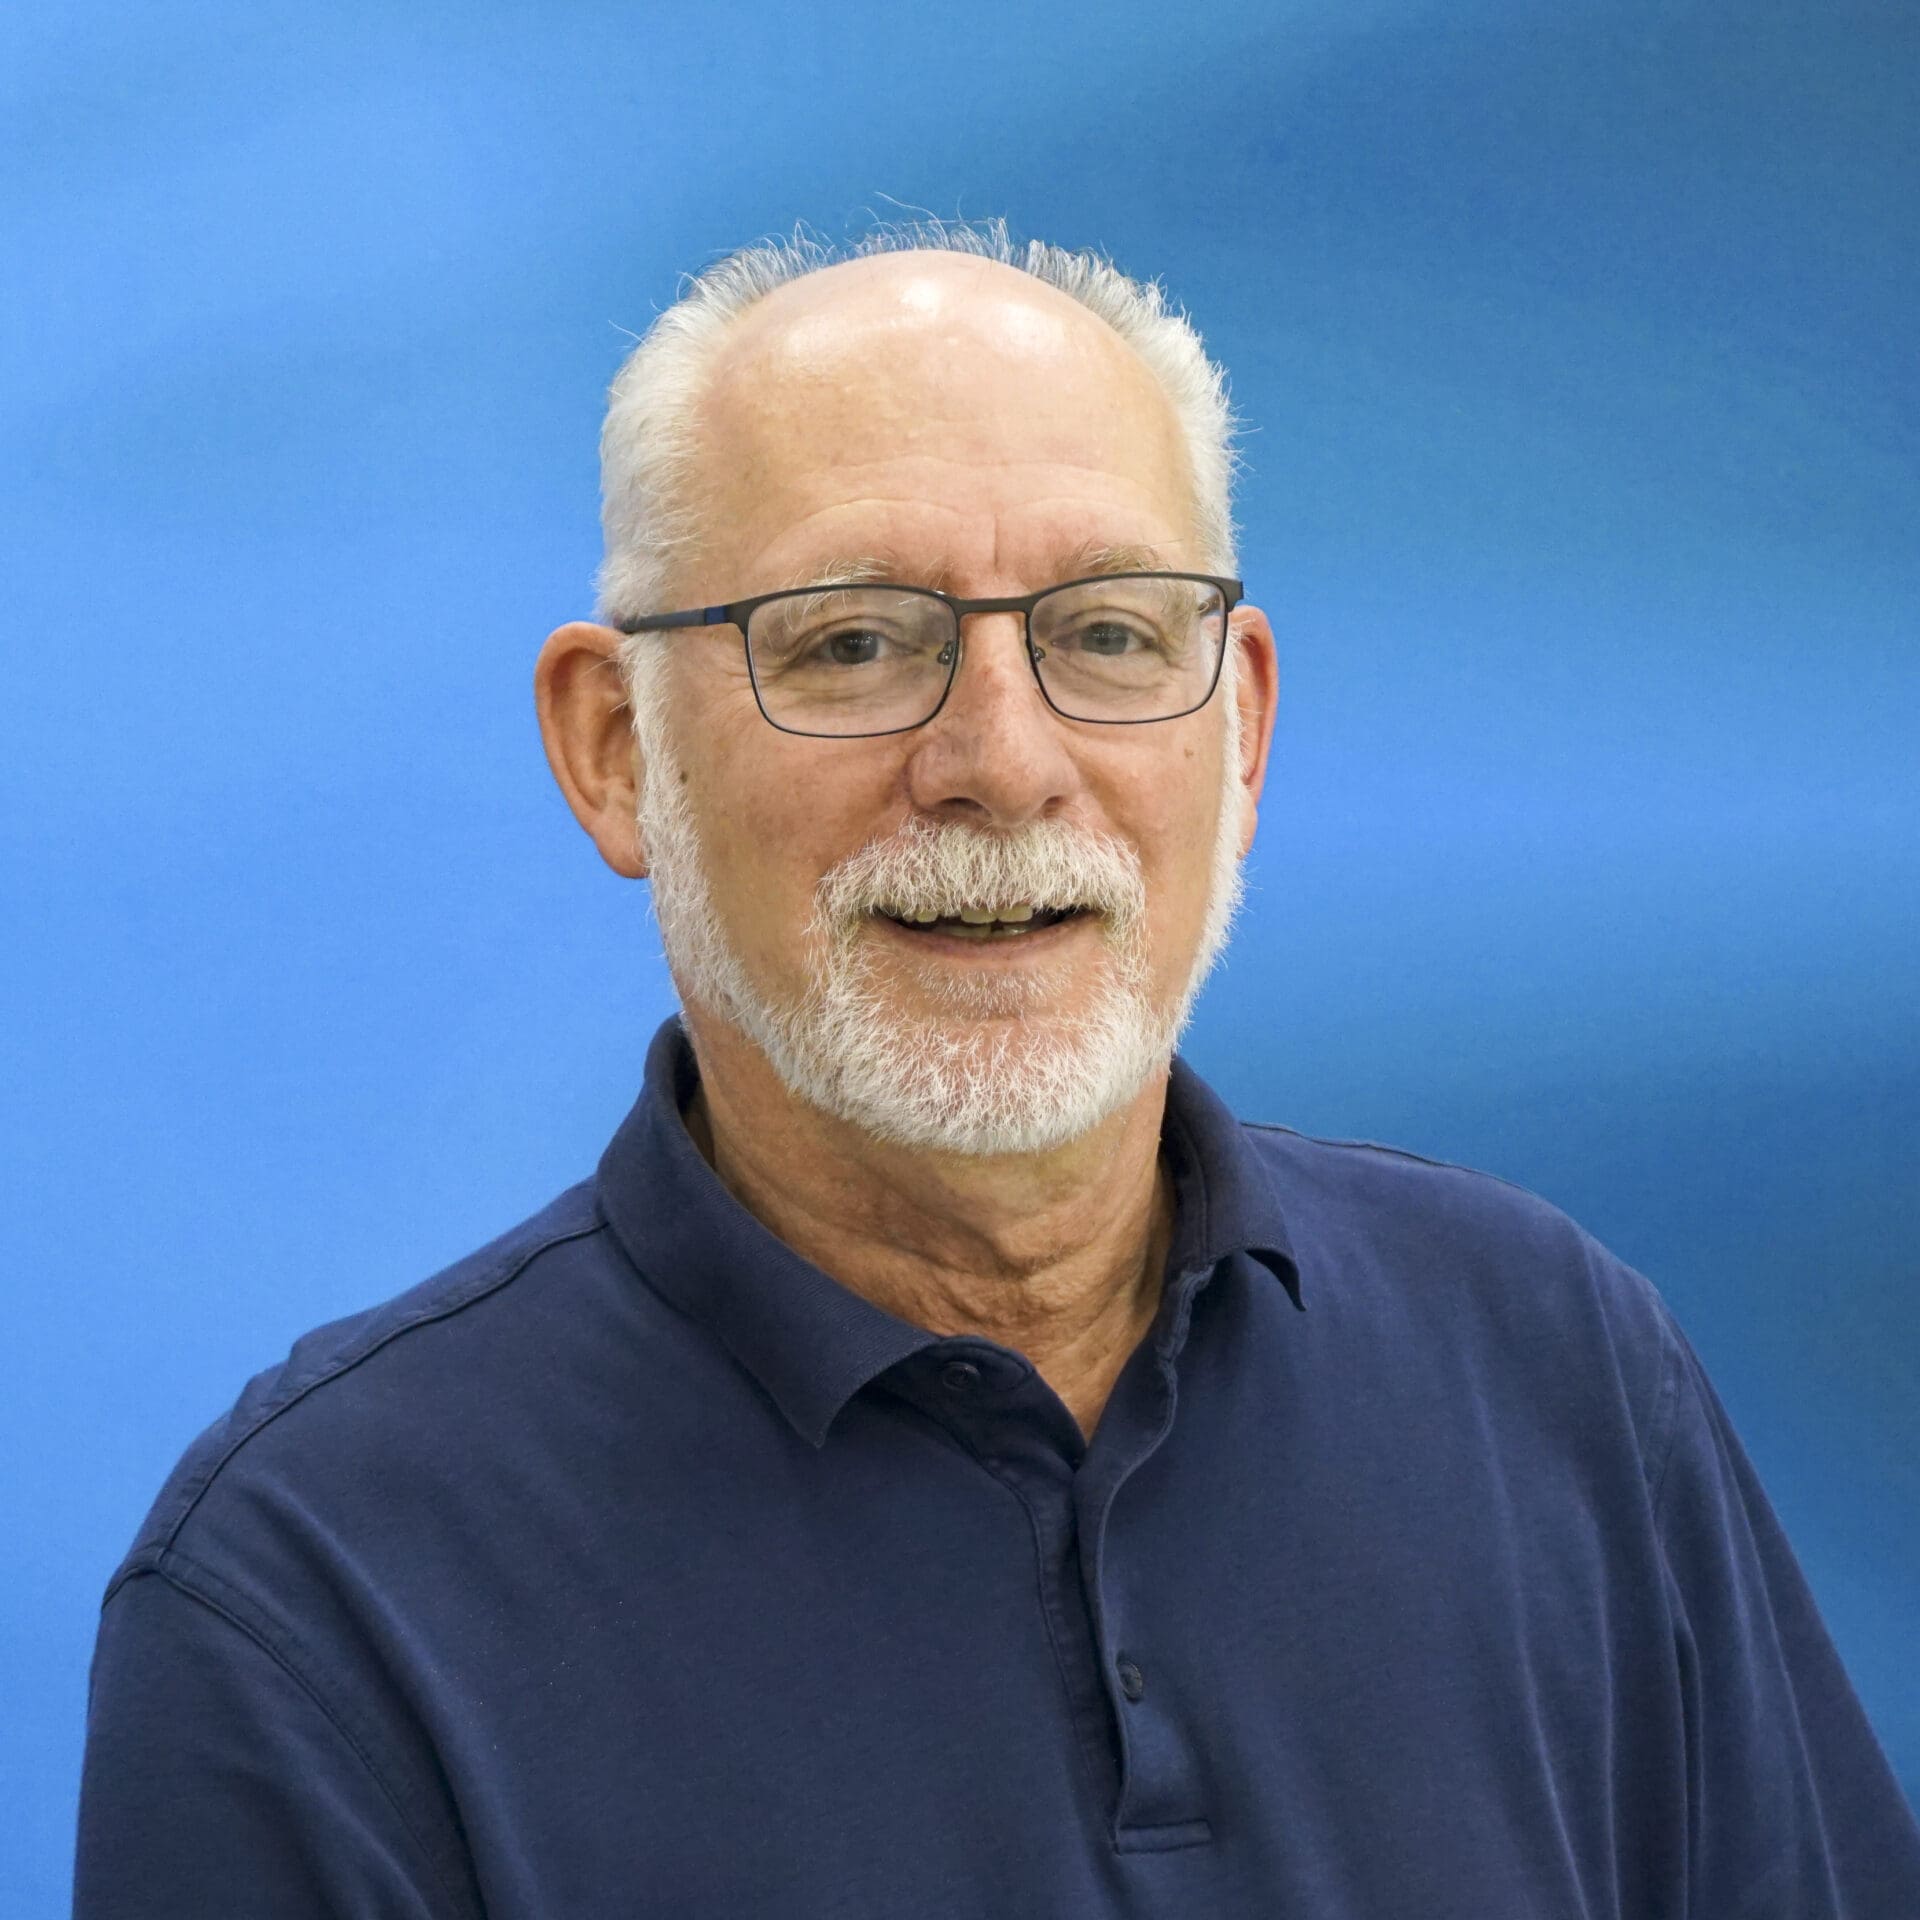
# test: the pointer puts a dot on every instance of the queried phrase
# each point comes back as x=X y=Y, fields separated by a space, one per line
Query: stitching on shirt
x=454 y=1904
x=1400 y=1153
x=1093 y=1771
x=490 y=1281
x=1667 y=1416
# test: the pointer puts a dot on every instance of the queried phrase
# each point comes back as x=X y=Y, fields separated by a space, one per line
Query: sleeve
x=1793 y=1812
x=215 y=1782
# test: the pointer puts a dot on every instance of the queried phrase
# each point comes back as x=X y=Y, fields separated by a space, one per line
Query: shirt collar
x=812 y=1343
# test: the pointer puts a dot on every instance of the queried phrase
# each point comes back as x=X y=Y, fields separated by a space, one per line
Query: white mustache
x=939 y=867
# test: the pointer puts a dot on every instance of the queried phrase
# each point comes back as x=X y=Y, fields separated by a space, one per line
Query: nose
x=995 y=753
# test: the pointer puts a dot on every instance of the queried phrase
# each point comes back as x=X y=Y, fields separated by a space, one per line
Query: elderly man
x=942 y=1463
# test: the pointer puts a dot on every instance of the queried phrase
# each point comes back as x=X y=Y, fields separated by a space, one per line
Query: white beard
x=980 y=1075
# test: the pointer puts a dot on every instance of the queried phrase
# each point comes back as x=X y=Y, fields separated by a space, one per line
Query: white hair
x=650 y=441
x=983 y=1073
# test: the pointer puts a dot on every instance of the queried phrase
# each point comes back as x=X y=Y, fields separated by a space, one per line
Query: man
x=943 y=1463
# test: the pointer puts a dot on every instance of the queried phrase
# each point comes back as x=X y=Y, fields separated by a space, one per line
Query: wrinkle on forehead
x=979 y=546
x=1079 y=561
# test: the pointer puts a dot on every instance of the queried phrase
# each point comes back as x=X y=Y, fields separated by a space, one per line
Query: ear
x=1257 y=703
x=588 y=734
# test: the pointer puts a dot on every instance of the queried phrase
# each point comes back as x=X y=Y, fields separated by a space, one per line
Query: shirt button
x=959 y=1376
x=1133 y=1683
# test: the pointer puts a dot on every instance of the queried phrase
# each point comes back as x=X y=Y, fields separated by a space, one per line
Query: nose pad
x=945 y=656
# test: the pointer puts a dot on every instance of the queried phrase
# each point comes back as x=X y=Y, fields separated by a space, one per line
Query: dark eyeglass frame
x=736 y=613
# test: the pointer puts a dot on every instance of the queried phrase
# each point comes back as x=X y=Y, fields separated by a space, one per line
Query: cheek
x=1176 y=841
x=776 y=814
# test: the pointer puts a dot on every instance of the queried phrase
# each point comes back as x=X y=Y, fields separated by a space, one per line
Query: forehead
x=938 y=406
x=1068 y=559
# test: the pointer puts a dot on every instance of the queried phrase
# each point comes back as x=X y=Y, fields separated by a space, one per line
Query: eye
x=852 y=647
x=854 y=634
x=1109 y=639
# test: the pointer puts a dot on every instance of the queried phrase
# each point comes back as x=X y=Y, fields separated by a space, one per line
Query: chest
x=939 y=1668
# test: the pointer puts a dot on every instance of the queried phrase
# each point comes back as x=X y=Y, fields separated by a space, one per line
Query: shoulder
x=1466 y=1227
x=1476 y=1271
x=1341 y=1185
x=352 y=1387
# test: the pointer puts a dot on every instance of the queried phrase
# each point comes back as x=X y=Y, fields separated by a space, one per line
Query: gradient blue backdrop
x=1577 y=350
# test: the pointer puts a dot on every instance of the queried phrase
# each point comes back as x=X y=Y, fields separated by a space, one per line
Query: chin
x=955 y=1004
x=960 y=1082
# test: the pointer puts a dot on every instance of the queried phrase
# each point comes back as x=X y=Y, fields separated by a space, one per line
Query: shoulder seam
x=1667 y=1416
x=189 y=1589
x=490 y=1282
x=1401 y=1153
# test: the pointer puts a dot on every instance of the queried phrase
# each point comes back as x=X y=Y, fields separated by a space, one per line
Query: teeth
x=1019 y=914
x=1016 y=915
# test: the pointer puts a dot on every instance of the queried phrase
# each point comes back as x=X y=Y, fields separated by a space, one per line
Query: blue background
x=1584 y=492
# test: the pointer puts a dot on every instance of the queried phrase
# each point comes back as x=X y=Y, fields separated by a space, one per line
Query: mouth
x=1004 y=921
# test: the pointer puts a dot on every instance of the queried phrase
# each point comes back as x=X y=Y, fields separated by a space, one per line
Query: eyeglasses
x=854 y=661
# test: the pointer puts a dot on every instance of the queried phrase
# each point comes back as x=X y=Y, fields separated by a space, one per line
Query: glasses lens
x=851 y=660
x=1135 y=647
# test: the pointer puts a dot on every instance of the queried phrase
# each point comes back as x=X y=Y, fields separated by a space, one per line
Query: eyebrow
x=1075 y=563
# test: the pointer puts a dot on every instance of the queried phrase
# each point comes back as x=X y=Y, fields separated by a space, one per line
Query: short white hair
x=649 y=443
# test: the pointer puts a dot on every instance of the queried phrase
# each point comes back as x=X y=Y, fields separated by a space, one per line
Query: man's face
x=955 y=425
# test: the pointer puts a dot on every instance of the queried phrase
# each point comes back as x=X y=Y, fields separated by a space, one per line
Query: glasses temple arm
x=691 y=617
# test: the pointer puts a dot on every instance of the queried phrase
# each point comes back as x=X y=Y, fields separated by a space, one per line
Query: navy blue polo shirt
x=634 y=1566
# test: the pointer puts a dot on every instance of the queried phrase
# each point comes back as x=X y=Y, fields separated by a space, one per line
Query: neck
x=1056 y=1255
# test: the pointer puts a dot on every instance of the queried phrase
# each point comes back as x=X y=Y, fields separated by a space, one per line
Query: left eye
x=1108 y=638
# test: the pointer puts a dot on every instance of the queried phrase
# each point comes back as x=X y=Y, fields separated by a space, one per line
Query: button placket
x=1159 y=1806
x=1011 y=1420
